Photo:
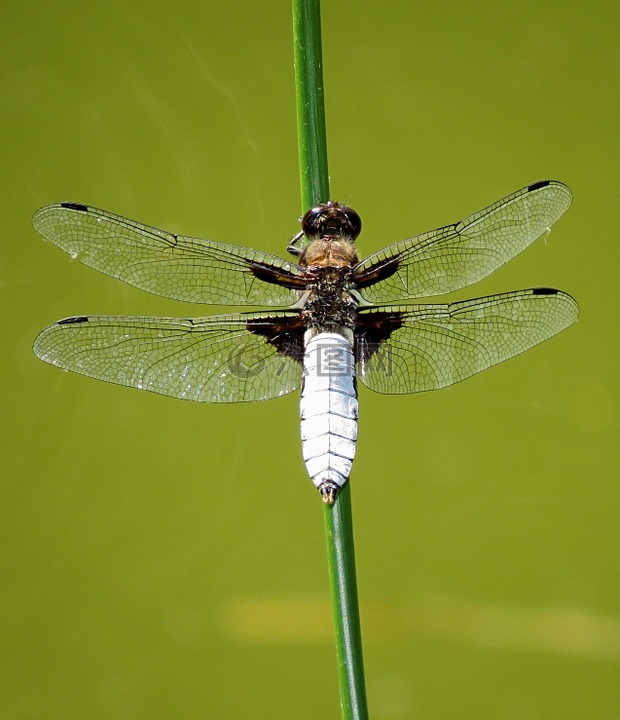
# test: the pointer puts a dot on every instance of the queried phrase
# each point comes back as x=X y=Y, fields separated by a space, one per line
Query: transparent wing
x=413 y=348
x=458 y=255
x=225 y=358
x=163 y=263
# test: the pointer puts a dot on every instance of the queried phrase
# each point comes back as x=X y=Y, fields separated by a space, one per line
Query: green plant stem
x=341 y=563
x=312 y=139
x=338 y=517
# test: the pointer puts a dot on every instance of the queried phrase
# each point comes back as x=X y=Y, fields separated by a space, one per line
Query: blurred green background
x=166 y=560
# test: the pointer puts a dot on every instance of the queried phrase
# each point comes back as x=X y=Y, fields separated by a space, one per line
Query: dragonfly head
x=331 y=220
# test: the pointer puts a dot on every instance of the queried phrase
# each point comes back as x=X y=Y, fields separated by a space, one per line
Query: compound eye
x=352 y=222
x=312 y=221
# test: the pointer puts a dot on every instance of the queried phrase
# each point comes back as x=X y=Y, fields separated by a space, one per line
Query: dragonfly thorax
x=330 y=304
x=330 y=252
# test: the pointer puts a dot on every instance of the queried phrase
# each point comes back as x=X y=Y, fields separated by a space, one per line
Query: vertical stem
x=312 y=138
x=338 y=518
x=341 y=563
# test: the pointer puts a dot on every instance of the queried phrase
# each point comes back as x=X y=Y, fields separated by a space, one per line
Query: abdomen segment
x=328 y=411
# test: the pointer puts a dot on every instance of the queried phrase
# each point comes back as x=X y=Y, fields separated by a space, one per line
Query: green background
x=166 y=560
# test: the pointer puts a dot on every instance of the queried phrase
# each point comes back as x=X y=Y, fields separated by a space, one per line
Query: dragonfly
x=327 y=318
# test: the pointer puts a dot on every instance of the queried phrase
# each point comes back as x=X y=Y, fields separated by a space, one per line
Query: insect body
x=334 y=321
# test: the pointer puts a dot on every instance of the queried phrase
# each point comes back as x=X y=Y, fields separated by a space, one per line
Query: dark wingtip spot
x=538 y=185
x=73 y=320
x=75 y=206
x=545 y=291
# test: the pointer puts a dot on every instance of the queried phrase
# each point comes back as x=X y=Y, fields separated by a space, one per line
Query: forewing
x=458 y=255
x=225 y=358
x=163 y=263
x=413 y=348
